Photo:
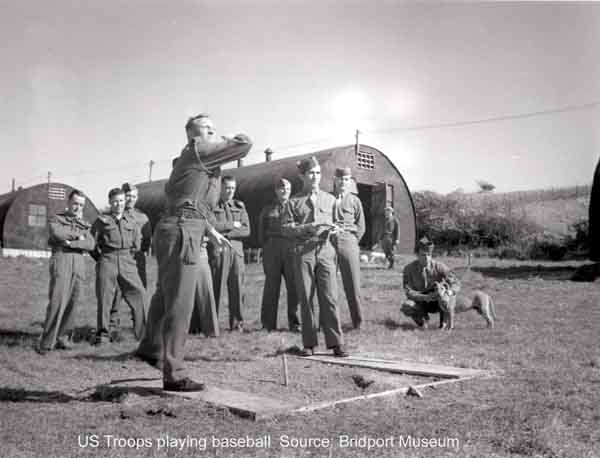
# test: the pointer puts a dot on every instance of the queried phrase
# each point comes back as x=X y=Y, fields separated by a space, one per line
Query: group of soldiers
x=199 y=250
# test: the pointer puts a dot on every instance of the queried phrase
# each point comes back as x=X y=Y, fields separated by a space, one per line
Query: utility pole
x=356 y=144
x=13 y=185
x=150 y=165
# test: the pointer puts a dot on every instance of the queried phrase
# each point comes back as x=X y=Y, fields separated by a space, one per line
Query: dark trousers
x=278 y=260
x=227 y=266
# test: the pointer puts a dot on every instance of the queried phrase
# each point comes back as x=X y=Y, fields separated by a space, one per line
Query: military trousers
x=178 y=245
x=387 y=244
x=117 y=270
x=67 y=277
x=278 y=260
x=316 y=272
x=140 y=261
x=204 y=316
x=419 y=310
x=228 y=268
x=348 y=254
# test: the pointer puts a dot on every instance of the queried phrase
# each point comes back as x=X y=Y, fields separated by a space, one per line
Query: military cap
x=128 y=187
x=281 y=182
x=343 y=172
x=424 y=244
x=388 y=208
x=306 y=164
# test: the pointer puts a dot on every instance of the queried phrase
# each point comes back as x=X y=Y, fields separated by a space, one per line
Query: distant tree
x=485 y=186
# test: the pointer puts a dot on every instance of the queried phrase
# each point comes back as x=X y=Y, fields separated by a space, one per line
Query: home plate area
x=291 y=384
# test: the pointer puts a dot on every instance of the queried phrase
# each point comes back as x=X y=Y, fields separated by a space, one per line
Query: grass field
x=541 y=400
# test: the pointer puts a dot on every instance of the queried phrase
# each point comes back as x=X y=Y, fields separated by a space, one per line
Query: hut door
x=383 y=195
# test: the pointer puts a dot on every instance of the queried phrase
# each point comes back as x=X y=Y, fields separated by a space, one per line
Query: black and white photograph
x=299 y=228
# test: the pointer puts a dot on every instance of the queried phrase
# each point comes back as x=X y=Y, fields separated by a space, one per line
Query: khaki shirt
x=190 y=185
x=140 y=218
x=67 y=227
x=272 y=220
x=419 y=280
x=305 y=213
x=348 y=214
x=225 y=214
x=112 y=234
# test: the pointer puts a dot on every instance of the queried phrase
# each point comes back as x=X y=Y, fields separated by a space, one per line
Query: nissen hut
x=378 y=184
x=24 y=217
x=594 y=227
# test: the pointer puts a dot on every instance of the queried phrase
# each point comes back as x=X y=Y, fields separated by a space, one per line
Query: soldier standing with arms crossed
x=315 y=260
x=117 y=237
x=177 y=240
x=349 y=219
x=227 y=261
x=69 y=239
x=278 y=258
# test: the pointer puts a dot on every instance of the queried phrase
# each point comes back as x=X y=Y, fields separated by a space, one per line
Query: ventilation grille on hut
x=56 y=193
x=365 y=160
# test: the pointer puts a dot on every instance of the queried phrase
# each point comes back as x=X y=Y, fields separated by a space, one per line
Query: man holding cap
x=419 y=278
x=389 y=238
x=312 y=211
x=349 y=219
x=278 y=258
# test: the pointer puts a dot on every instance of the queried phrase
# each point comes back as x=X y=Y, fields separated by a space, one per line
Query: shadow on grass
x=127 y=356
x=524 y=272
x=101 y=393
x=18 y=338
x=392 y=325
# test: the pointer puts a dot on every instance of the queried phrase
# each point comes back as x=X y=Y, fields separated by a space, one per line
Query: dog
x=450 y=304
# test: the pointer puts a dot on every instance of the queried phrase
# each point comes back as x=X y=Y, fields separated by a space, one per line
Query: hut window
x=37 y=215
x=365 y=160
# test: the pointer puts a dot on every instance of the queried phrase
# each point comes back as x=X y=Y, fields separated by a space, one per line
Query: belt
x=106 y=250
x=188 y=213
x=67 y=250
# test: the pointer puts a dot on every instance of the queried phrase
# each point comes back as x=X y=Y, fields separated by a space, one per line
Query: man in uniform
x=315 y=260
x=227 y=261
x=177 y=243
x=349 y=220
x=140 y=218
x=69 y=239
x=278 y=258
x=419 y=277
x=117 y=237
x=389 y=239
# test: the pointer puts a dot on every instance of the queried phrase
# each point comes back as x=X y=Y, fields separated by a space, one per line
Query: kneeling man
x=419 y=278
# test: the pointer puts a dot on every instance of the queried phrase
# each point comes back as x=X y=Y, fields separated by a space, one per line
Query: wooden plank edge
x=395 y=367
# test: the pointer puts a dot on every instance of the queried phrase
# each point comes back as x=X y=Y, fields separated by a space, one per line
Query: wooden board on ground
x=398 y=367
x=246 y=405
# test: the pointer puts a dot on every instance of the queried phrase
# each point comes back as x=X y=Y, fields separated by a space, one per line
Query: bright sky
x=92 y=91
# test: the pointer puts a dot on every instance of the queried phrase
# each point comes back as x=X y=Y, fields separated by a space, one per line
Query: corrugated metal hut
x=594 y=227
x=379 y=183
x=24 y=217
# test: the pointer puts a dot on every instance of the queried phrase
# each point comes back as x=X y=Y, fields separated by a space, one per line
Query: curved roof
x=594 y=214
x=24 y=214
x=255 y=187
